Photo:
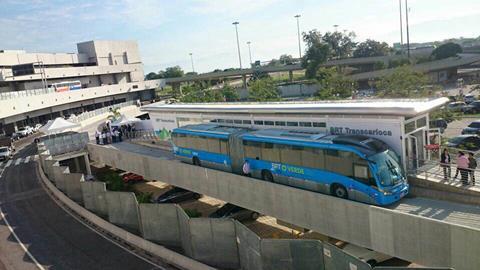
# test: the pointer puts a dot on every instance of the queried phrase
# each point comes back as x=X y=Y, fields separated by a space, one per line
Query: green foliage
x=193 y=213
x=170 y=72
x=114 y=114
x=446 y=114
x=446 y=50
x=202 y=92
x=114 y=182
x=317 y=53
x=334 y=85
x=144 y=197
x=341 y=43
x=398 y=62
x=263 y=90
x=404 y=82
x=379 y=65
x=371 y=48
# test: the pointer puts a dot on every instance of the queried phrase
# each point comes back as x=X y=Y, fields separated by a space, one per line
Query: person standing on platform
x=445 y=161
x=472 y=166
x=462 y=166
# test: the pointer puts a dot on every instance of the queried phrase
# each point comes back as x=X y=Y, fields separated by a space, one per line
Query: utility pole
x=250 y=52
x=408 y=32
x=238 y=43
x=401 y=22
x=298 y=34
x=336 y=27
x=191 y=59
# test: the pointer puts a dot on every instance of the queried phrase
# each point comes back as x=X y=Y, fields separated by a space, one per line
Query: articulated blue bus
x=351 y=167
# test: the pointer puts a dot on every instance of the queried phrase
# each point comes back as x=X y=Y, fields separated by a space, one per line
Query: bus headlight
x=386 y=193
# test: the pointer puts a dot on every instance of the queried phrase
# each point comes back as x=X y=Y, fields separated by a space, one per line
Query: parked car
x=469 y=98
x=177 y=195
x=473 y=107
x=233 y=211
x=23 y=132
x=440 y=123
x=467 y=142
x=15 y=136
x=369 y=256
x=457 y=106
x=130 y=178
x=472 y=128
x=37 y=127
x=5 y=153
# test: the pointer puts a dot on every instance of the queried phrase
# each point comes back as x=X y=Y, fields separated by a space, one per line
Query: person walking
x=445 y=161
x=472 y=165
x=462 y=166
x=97 y=136
x=246 y=168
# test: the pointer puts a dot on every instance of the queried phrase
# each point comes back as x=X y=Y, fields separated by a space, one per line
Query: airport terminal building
x=36 y=87
x=402 y=124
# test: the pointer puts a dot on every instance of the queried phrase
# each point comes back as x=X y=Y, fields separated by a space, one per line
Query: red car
x=130 y=178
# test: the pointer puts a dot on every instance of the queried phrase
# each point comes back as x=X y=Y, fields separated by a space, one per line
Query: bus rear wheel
x=196 y=161
x=267 y=176
x=339 y=191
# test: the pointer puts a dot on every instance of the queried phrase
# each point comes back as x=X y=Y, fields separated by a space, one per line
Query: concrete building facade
x=104 y=72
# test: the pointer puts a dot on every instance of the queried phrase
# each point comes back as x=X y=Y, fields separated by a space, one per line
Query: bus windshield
x=389 y=170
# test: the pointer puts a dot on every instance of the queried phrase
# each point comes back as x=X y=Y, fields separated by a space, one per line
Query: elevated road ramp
x=427 y=232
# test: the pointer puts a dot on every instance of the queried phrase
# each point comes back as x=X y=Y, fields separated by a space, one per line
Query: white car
x=37 y=127
x=5 y=153
x=23 y=131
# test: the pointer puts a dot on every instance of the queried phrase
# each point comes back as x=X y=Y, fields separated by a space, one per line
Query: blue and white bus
x=347 y=166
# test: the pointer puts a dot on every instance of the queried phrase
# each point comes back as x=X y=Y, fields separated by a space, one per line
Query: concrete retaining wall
x=94 y=197
x=248 y=248
x=425 y=241
x=291 y=254
x=123 y=209
x=160 y=224
x=73 y=187
x=214 y=242
x=58 y=172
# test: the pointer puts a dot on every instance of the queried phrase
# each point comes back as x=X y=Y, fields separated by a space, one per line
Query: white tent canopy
x=124 y=121
x=58 y=125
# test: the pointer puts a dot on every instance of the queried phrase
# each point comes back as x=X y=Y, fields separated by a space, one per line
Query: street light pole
x=250 y=52
x=408 y=32
x=238 y=43
x=191 y=59
x=298 y=34
x=336 y=27
x=401 y=22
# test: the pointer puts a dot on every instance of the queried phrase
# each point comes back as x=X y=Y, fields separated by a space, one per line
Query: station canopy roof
x=398 y=107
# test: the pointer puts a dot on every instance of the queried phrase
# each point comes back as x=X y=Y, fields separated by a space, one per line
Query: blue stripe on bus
x=203 y=155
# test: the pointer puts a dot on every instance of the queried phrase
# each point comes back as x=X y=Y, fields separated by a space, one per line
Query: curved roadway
x=53 y=238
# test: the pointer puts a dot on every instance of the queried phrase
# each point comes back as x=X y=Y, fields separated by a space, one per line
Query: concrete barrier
x=248 y=248
x=73 y=187
x=291 y=254
x=426 y=241
x=169 y=256
x=160 y=224
x=123 y=209
x=185 y=237
x=335 y=259
x=214 y=242
x=94 y=197
x=58 y=175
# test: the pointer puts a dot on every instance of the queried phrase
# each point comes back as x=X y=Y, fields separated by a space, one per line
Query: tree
x=263 y=90
x=114 y=114
x=317 y=52
x=173 y=72
x=151 y=76
x=341 y=44
x=229 y=93
x=286 y=59
x=334 y=85
x=446 y=50
x=371 y=48
x=404 y=82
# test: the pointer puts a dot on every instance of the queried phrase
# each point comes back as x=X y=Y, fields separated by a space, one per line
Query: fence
x=25 y=93
x=86 y=115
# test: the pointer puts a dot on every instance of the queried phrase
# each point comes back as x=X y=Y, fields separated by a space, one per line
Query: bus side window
x=270 y=152
x=224 y=147
x=252 y=149
x=292 y=155
x=313 y=158
x=339 y=162
x=213 y=145
x=363 y=175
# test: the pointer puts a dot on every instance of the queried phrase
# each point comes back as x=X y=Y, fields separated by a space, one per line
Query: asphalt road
x=54 y=238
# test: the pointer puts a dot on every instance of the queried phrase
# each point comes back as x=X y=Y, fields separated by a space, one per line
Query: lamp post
x=238 y=43
x=408 y=32
x=191 y=59
x=298 y=34
x=250 y=51
x=336 y=27
x=401 y=22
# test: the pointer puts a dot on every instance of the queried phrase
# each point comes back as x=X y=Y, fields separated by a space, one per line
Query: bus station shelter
x=401 y=123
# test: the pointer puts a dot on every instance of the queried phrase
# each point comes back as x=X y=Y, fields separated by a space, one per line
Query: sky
x=167 y=31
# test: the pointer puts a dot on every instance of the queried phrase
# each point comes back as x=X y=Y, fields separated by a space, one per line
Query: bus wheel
x=339 y=191
x=267 y=176
x=196 y=161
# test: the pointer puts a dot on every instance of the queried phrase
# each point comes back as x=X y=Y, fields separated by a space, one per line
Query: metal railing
x=444 y=173
x=25 y=93
x=86 y=115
